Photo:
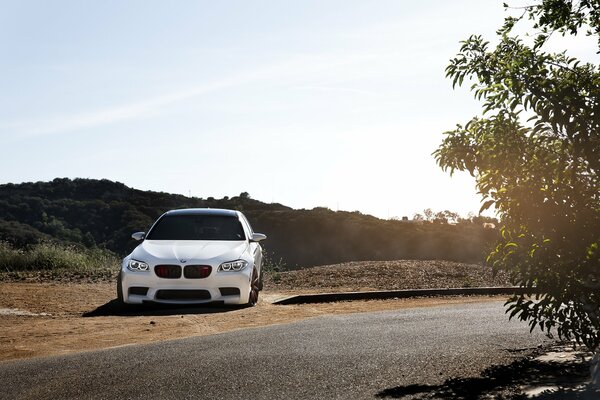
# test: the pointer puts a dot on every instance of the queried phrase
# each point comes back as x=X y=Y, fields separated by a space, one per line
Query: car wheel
x=120 y=290
x=254 y=282
x=260 y=281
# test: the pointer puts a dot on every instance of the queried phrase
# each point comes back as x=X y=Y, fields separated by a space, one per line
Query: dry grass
x=46 y=262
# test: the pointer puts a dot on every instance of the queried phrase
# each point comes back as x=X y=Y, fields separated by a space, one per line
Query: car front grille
x=183 y=295
x=197 y=271
x=168 y=271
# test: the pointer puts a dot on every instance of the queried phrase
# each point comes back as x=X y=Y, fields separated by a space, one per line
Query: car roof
x=203 y=211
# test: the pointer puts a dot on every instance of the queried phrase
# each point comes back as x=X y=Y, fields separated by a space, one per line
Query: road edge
x=396 y=294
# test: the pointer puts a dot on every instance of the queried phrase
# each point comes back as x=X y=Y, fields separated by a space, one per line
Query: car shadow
x=116 y=308
x=507 y=382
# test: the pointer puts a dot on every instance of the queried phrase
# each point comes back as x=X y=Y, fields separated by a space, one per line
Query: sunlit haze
x=336 y=104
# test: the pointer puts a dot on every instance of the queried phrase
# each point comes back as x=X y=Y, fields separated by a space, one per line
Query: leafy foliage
x=103 y=214
x=541 y=174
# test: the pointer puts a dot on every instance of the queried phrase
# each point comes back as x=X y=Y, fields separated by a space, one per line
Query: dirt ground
x=382 y=275
x=40 y=319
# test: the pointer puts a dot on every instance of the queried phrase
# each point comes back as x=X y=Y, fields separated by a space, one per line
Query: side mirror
x=139 y=235
x=257 y=237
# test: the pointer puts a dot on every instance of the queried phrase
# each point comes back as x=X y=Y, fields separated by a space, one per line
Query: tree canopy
x=535 y=153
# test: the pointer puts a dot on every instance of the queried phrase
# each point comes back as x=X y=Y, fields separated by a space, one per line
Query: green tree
x=535 y=154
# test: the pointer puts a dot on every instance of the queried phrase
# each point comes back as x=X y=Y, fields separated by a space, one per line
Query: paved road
x=345 y=357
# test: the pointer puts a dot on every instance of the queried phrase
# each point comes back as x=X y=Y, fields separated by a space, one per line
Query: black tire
x=260 y=281
x=120 y=290
x=254 y=290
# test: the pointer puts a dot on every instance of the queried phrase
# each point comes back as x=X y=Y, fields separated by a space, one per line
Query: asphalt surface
x=336 y=357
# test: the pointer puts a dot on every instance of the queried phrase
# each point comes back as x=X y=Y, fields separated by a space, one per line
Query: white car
x=194 y=255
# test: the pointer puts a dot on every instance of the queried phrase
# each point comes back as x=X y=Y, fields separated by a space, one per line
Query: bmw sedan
x=195 y=255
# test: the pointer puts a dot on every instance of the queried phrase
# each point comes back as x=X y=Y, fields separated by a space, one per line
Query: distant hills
x=103 y=213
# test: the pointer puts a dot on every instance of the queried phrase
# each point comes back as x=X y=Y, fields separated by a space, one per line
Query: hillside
x=102 y=213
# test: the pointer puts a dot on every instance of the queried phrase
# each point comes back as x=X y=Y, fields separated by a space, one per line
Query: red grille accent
x=197 y=271
x=168 y=271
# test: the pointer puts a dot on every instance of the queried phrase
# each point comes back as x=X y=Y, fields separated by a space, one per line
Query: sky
x=336 y=103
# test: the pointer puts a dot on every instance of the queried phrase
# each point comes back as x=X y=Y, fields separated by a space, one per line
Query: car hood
x=189 y=251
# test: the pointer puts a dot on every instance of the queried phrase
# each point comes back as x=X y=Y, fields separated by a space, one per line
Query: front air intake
x=138 y=290
x=229 y=291
x=184 y=295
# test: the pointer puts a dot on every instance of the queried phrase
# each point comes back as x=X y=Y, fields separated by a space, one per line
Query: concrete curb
x=398 y=294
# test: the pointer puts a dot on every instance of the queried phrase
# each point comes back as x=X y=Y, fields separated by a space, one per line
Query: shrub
x=57 y=261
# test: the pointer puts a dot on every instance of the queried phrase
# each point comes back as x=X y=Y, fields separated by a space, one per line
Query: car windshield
x=197 y=227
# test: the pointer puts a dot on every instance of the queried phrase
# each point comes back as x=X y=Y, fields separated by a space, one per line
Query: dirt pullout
x=51 y=319
x=385 y=275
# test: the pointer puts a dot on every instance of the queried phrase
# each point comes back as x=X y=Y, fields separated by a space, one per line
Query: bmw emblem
x=183 y=261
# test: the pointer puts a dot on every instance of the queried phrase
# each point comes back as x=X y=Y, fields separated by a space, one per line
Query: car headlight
x=138 y=266
x=237 y=265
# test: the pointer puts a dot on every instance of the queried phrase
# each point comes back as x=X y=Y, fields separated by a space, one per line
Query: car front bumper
x=140 y=287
